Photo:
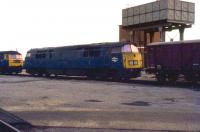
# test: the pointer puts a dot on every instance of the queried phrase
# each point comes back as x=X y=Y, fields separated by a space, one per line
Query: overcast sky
x=26 y=24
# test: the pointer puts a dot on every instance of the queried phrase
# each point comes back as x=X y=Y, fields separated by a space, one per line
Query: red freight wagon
x=168 y=60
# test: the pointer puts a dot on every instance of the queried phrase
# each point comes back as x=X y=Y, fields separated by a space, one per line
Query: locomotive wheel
x=91 y=76
x=47 y=74
x=32 y=74
x=16 y=73
x=161 y=77
x=55 y=75
x=40 y=75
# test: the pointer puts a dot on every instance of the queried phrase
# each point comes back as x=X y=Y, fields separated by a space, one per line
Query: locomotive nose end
x=132 y=60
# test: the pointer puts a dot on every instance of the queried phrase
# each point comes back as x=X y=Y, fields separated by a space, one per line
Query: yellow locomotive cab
x=12 y=62
x=15 y=60
x=132 y=58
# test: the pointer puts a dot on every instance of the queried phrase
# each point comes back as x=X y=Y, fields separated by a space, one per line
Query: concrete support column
x=181 y=31
x=145 y=45
x=162 y=34
x=151 y=37
x=131 y=36
x=145 y=39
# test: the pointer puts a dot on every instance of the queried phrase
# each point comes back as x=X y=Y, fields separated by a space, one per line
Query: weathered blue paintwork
x=64 y=60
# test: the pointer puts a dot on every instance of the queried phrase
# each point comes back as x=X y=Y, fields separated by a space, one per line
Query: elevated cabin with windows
x=84 y=60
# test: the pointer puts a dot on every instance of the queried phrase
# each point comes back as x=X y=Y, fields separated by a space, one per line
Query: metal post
x=131 y=36
x=151 y=37
x=163 y=35
x=181 y=31
x=145 y=45
x=145 y=38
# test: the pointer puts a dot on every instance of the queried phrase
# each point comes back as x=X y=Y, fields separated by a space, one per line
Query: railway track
x=11 y=123
x=158 y=97
x=144 y=80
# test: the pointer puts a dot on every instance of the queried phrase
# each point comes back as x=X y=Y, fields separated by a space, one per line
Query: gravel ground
x=101 y=104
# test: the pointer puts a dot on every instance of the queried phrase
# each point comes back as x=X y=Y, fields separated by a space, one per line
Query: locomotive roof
x=94 y=45
x=175 y=42
x=9 y=52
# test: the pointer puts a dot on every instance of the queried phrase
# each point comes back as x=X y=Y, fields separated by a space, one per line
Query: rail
x=5 y=127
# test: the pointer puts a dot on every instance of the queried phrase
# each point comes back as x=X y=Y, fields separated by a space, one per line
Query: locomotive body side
x=169 y=60
x=99 y=60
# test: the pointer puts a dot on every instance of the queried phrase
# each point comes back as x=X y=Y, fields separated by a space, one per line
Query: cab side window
x=51 y=55
x=5 y=56
x=86 y=53
x=92 y=53
x=40 y=56
x=1 y=57
x=96 y=53
x=28 y=55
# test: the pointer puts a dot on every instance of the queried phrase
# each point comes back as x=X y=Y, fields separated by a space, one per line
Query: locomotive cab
x=15 y=60
x=10 y=62
x=131 y=61
x=132 y=58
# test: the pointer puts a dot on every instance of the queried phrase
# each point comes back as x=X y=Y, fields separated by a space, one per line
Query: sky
x=26 y=24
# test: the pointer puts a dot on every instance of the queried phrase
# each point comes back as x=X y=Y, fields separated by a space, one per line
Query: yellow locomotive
x=10 y=62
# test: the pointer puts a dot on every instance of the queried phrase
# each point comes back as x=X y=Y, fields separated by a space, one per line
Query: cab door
x=96 y=58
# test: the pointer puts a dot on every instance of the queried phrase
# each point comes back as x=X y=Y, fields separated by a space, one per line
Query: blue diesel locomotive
x=116 y=60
